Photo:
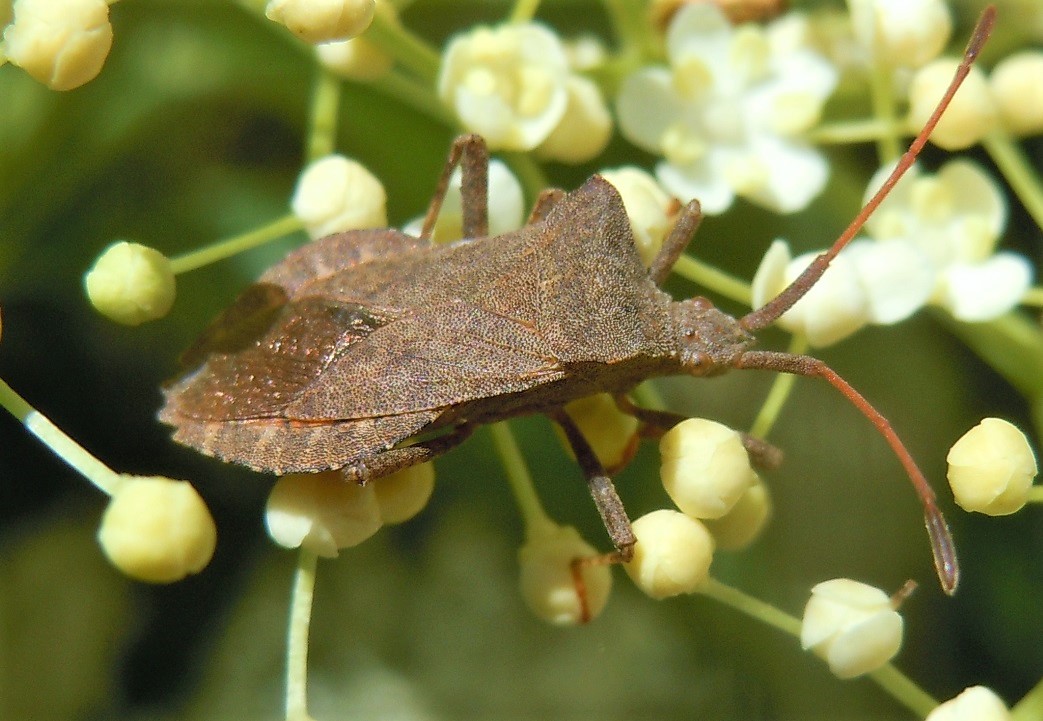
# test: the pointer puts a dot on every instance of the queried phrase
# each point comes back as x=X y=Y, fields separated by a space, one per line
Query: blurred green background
x=194 y=131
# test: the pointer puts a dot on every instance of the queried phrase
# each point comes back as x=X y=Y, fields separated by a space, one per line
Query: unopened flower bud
x=131 y=283
x=321 y=512
x=971 y=115
x=548 y=581
x=741 y=526
x=320 y=21
x=976 y=703
x=157 y=529
x=851 y=626
x=652 y=211
x=355 y=59
x=61 y=43
x=611 y=433
x=902 y=32
x=705 y=467
x=991 y=468
x=1018 y=93
x=335 y=194
x=672 y=556
x=585 y=128
x=404 y=494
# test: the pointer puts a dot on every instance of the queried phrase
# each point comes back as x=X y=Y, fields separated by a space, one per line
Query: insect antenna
x=770 y=312
x=942 y=545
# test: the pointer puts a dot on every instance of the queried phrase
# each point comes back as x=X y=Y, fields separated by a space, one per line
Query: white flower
x=971 y=115
x=851 y=626
x=976 y=703
x=548 y=582
x=611 y=433
x=727 y=113
x=506 y=206
x=1019 y=94
x=672 y=555
x=506 y=83
x=651 y=210
x=901 y=32
x=61 y=43
x=321 y=512
x=320 y=21
x=955 y=218
x=705 y=467
x=157 y=530
x=740 y=526
x=335 y=194
x=403 y=494
x=131 y=283
x=991 y=468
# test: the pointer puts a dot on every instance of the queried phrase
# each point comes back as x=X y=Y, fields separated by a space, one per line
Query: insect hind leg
x=395 y=459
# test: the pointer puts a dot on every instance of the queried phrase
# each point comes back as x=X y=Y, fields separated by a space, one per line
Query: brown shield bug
x=369 y=351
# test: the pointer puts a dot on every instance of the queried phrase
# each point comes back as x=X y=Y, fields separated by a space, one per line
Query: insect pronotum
x=369 y=351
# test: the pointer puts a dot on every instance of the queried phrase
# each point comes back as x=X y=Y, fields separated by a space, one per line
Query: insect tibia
x=708 y=340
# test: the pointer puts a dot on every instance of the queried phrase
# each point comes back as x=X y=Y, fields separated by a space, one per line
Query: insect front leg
x=395 y=459
x=613 y=515
x=654 y=424
x=687 y=223
x=471 y=154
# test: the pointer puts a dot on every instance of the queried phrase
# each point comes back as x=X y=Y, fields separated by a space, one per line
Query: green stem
x=716 y=280
x=1033 y=297
x=752 y=607
x=631 y=26
x=780 y=391
x=904 y=690
x=1018 y=172
x=853 y=131
x=881 y=88
x=236 y=244
x=528 y=172
x=524 y=11
x=519 y=478
x=419 y=96
x=297 y=637
x=406 y=48
x=325 y=107
x=890 y=679
x=78 y=457
x=1030 y=707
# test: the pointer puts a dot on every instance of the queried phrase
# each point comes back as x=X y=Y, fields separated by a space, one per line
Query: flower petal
x=981 y=292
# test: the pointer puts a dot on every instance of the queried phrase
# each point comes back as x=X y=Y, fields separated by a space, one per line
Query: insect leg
x=614 y=516
x=942 y=545
x=654 y=424
x=544 y=204
x=680 y=235
x=395 y=459
x=471 y=154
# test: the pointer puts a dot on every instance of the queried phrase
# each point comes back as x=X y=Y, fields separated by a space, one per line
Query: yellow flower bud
x=705 y=467
x=741 y=526
x=548 y=584
x=851 y=626
x=611 y=433
x=1016 y=87
x=157 y=529
x=335 y=194
x=320 y=21
x=971 y=115
x=672 y=555
x=131 y=283
x=321 y=512
x=991 y=468
x=652 y=211
x=404 y=494
x=585 y=128
x=976 y=703
x=61 y=43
